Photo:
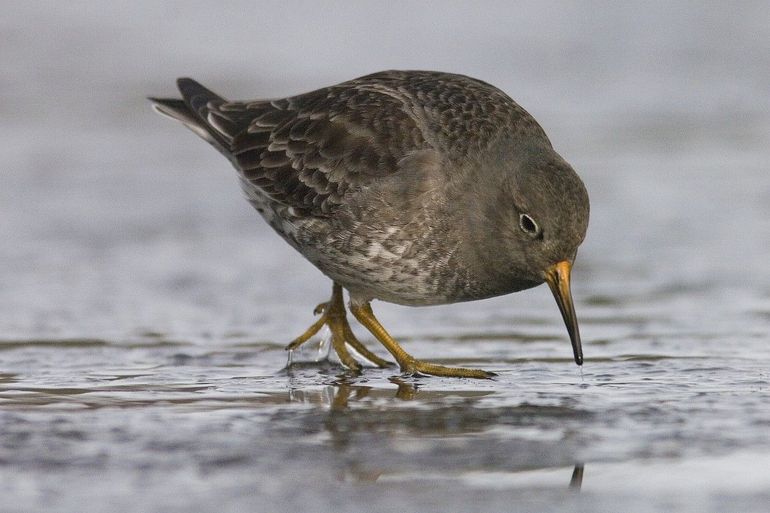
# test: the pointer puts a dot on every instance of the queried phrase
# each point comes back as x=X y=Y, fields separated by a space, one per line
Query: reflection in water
x=225 y=412
x=338 y=395
x=343 y=393
x=362 y=421
x=576 y=482
x=406 y=391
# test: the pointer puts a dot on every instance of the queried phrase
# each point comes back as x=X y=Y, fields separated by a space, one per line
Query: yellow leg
x=333 y=315
x=408 y=363
x=351 y=339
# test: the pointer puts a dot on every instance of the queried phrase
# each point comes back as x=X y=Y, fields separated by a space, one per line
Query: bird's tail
x=193 y=111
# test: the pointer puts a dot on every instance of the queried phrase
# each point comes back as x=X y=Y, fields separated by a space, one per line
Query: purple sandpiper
x=412 y=187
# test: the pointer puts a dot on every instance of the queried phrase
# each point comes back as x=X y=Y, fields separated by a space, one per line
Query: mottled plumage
x=405 y=186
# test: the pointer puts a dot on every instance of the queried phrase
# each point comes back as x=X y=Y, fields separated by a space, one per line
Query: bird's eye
x=528 y=225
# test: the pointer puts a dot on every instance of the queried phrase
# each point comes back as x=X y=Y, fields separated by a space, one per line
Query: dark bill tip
x=558 y=278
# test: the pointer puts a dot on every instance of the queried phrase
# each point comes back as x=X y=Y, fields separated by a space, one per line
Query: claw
x=333 y=315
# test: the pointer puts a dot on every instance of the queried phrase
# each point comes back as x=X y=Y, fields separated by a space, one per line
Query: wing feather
x=308 y=151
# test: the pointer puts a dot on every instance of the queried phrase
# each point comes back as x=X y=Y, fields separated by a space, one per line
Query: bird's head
x=541 y=217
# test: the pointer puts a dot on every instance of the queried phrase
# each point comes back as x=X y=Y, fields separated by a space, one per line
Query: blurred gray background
x=110 y=216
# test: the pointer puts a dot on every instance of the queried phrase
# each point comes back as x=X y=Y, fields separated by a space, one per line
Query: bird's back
x=307 y=151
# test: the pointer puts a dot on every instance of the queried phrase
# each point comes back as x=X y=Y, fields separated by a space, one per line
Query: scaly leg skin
x=333 y=315
x=409 y=364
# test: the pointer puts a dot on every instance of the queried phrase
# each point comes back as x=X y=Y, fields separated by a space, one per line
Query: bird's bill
x=558 y=278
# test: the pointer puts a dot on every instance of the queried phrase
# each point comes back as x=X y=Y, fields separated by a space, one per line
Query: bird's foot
x=333 y=315
x=413 y=366
x=409 y=364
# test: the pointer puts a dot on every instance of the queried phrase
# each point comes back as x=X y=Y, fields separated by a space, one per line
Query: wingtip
x=158 y=108
x=171 y=107
x=195 y=93
x=182 y=82
x=155 y=104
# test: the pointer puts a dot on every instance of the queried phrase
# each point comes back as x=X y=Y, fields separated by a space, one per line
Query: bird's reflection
x=576 y=482
x=345 y=392
x=406 y=391
x=363 y=425
x=343 y=388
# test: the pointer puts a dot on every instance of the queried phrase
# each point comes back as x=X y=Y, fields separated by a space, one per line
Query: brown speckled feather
x=309 y=150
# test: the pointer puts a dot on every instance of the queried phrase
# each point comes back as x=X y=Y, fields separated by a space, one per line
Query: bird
x=411 y=187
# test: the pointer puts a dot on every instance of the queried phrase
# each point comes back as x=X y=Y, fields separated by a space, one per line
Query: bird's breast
x=400 y=264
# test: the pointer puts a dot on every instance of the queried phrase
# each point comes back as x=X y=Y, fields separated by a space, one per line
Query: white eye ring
x=528 y=225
